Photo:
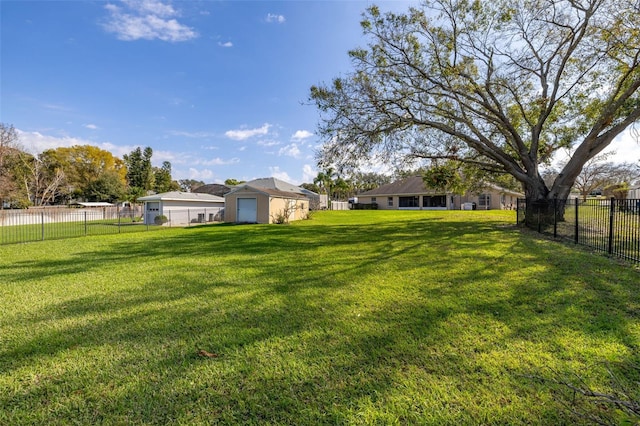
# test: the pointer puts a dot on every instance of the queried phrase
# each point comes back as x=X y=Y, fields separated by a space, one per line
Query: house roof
x=182 y=196
x=273 y=183
x=213 y=189
x=268 y=191
x=410 y=186
x=414 y=185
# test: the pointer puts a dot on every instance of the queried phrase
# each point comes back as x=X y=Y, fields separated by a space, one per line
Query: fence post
x=85 y=223
x=118 y=213
x=575 y=226
x=42 y=224
x=612 y=209
x=555 y=216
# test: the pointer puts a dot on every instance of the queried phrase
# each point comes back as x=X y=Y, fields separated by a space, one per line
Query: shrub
x=160 y=219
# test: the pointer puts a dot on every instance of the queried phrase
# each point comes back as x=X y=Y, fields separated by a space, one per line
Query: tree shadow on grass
x=309 y=329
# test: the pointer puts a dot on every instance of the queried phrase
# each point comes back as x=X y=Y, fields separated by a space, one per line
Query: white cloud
x=194 y=135
x=279 y=174
x=300 y=135
x=91 y=126
x=218 y=162
x=268 y=142
x=227 y=44
x=308 y=173
x=148 y=20
x=203 y=175
x=290 y=151
x=626 y=148
x=272 y=17
x=36 y=142
x=242 y=134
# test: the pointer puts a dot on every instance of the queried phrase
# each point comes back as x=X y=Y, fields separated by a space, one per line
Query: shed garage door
x=247 y=210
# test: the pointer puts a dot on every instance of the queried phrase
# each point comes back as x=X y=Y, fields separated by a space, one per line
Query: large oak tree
x=502 y=84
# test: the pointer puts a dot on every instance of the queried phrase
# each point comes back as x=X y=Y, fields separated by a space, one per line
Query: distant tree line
x=78 y=173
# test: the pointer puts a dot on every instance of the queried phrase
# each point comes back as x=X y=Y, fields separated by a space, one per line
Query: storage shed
x=250 y=204
x=182 y=208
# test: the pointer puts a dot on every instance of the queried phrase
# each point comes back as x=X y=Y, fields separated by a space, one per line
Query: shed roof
x=273 y=183
x=183 y=196
x=270 y=192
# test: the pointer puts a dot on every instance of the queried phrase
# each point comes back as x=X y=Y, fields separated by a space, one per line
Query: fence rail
x=607 y=225
x=38 y=224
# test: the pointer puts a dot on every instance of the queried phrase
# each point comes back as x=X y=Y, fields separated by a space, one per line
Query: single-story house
x=182 y=208
x=492 y=197
x=634 y=193
x=249 y=203
x=412 y=194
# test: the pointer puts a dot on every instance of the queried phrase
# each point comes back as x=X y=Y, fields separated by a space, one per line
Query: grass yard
x=356 y=317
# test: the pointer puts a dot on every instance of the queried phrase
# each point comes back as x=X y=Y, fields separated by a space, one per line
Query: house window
x=413 y=201
x=373 y=200
x=484 y=200
x=389 y=201
x=434 y=201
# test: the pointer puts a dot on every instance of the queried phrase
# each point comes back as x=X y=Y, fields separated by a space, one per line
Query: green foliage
x=503 y=85
x=139 y=169
x=233 y=182
x=162 y=181
x=107 y=187
x=189 y=185
x=160 y=219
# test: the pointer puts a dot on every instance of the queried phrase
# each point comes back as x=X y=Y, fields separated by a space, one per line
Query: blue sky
x=218 y=88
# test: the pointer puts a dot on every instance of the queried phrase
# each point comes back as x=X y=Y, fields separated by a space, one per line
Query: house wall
x=383 y=202
x=497 y=201
x=279 y=204
x=267 y=207
x=184 y=212
x=231 y=205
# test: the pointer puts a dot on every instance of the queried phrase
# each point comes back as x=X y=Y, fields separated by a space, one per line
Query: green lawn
x=356 y=317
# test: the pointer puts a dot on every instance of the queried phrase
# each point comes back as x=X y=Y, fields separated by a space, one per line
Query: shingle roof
x=182 y=196
x=271 y=192
x=213 y=189
x=411 y=185
x=273 y=183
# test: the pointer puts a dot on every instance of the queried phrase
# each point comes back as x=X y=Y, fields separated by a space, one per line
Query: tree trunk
x=543 y=207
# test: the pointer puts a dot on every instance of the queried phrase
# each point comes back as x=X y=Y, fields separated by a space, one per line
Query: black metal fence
x=607 y=225
x=38 y=224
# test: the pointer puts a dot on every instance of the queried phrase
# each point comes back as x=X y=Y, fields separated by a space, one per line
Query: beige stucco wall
x=495 y=202
x=383 y=201
x=266 y=206
x=301 y=210
x=231 y=205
